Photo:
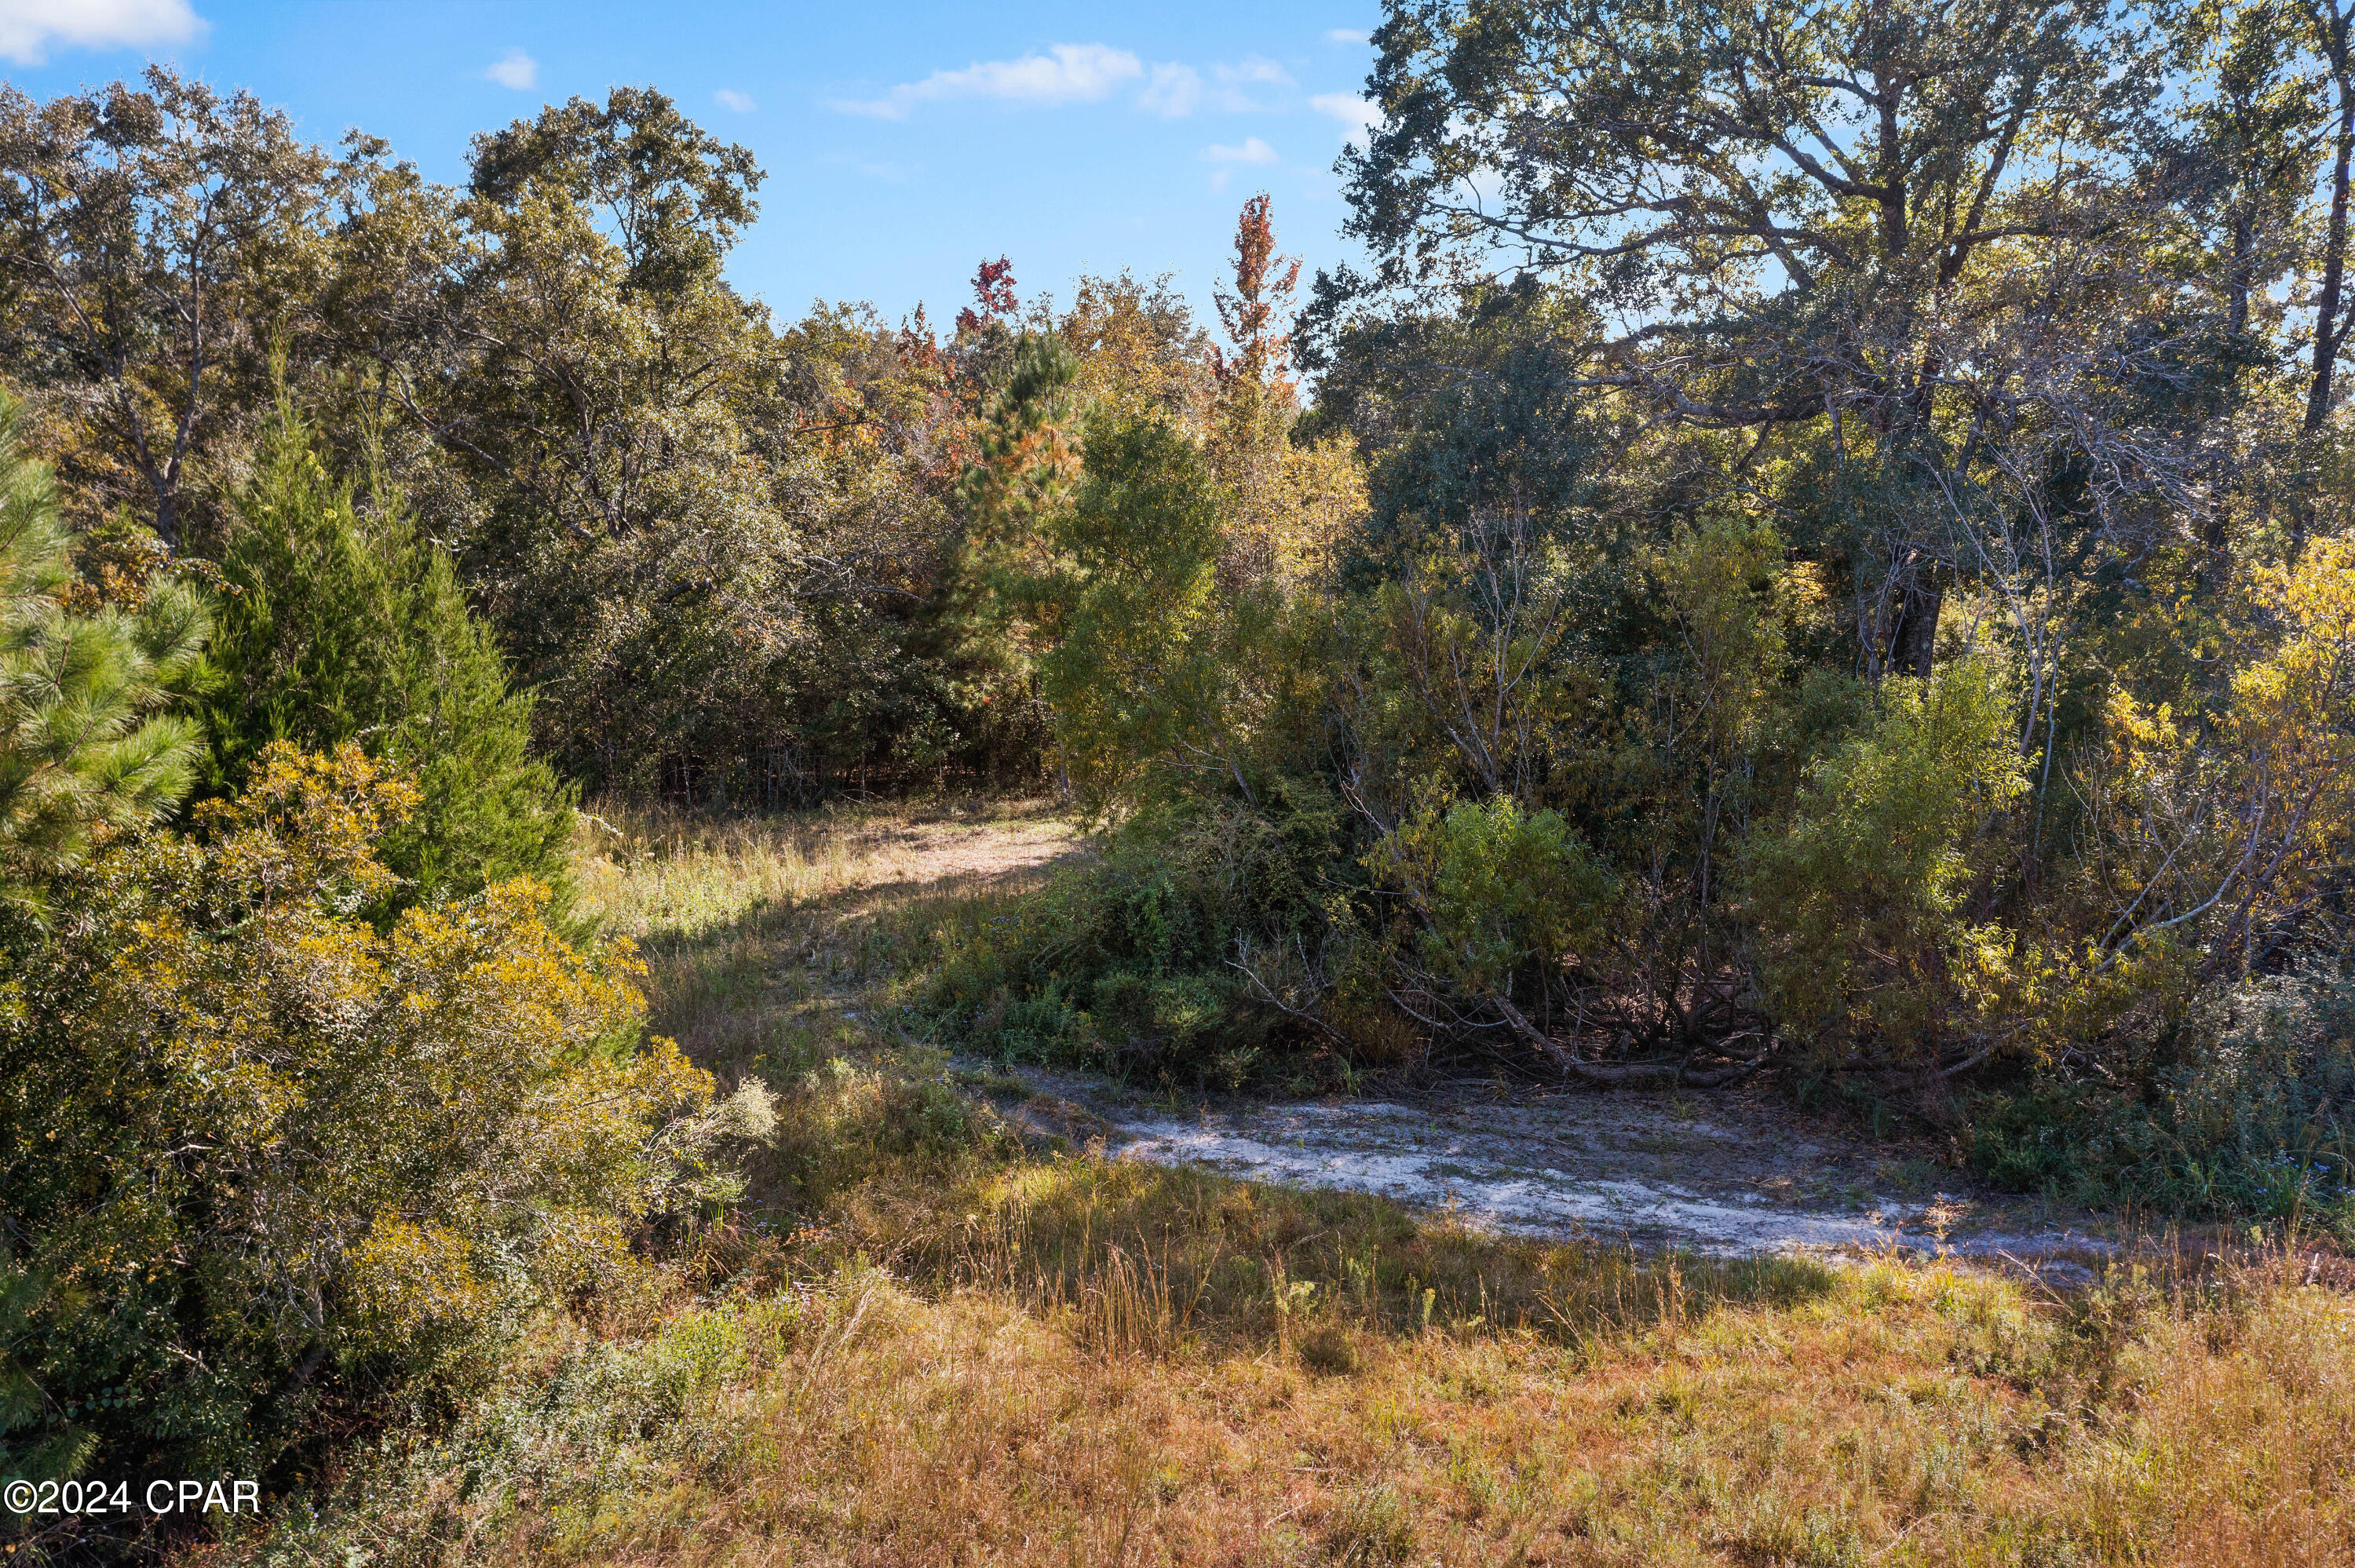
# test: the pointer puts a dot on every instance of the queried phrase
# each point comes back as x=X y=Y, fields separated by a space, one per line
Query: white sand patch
x=1608 y=1167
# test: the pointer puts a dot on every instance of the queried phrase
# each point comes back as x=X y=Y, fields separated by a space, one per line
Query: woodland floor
x=1446 y=1323
x=1729 y=1173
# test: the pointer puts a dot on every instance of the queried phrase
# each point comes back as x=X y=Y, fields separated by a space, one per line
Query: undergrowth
x=1126 y=966
x=926 y=1339
x=2248 y=1114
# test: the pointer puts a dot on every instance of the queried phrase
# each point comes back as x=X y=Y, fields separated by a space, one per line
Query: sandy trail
x=1716 y=1174
x=924 y=854
x=1732 y=1173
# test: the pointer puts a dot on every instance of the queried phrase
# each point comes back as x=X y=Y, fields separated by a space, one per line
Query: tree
x=703 y=541
x=2332 y=36
x=1138 y=348
x=1263 y=282
x=1135 y=660
x=994 y=299
x=672 y=196
x=1286 y=505
x=1913 y=226
x=578 y=347
x=334 y=630
x=148 y=240
x=85 y=745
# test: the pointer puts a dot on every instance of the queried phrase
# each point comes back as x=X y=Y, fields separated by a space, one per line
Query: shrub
x=1859 y=893
x=262 y=1159
x=1127 y=964
x=2259 y=1111
x=2245 y=1113
x=1500 y=888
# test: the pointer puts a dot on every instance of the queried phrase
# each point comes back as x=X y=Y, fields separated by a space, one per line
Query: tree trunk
x=1914 y=642
x=2328 y=330
x=168 y=520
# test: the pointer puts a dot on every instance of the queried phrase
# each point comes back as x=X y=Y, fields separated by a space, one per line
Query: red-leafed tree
x=1263 y=285
x=1282 y=506
x=993 y=290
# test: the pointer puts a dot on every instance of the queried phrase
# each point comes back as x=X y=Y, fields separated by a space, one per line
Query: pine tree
x=340 y=627
x=84 y=744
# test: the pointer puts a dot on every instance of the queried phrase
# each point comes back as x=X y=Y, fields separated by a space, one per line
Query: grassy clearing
x=933 y=1344
x=763 y=936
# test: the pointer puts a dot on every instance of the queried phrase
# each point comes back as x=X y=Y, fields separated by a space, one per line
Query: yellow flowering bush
x=258 y=1156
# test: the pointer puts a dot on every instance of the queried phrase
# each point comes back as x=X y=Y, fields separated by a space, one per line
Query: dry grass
x=1904 y=1415
x=968 y=1351
x=764 y=933
x=655 y=873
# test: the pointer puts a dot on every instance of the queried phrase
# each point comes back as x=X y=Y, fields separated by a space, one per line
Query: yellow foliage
x=1859 y=893
x=1139 y=350
x=282 y=1134
x=409 y=1277
x=2292 y=729
x=1724 y=581
x=2210 y=834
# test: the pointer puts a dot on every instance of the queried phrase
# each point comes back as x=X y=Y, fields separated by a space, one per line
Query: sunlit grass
x=1881 y=1412
x=649 y=871
x=932 y=1340
x=765 y=935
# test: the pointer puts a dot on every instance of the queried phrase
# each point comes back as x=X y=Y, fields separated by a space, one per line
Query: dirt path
x=1728 y=1173
x=920 y=854
x=1720 y=1174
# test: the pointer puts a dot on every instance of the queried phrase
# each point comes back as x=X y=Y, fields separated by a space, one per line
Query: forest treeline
x=1854 y=576
x=1816 y=539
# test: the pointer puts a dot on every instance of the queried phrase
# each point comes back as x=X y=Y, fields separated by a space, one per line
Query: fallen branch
x=1634 y=1074
x=1726 y=1076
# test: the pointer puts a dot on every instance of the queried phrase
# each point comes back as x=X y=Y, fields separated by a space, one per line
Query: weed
x=1326 y=1348
x=1371 y=1527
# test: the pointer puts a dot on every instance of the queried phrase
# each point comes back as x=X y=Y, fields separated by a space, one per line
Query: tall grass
x=765 y=935
x=956 y=1346
x=1895 y=1413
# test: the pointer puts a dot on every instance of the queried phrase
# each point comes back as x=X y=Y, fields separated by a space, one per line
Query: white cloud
x=1234 y=80
x=1253 y=67
x=729 y=98
x=1173 y=92
x=1177 y=90
x=1346 y=36
x=517 y=71
x=1253 y=151
x=1067 y=73
x=29 y=29
x=1351 y=111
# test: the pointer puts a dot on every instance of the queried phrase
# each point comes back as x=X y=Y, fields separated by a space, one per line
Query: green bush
x=2264 y=1112
x=2251 y=1116
x=1127 y=964
x=1501 y=888
x=571 y=1431
x=1859 y=893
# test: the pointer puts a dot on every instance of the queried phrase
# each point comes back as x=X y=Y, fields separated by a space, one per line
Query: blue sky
x=903 y=144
